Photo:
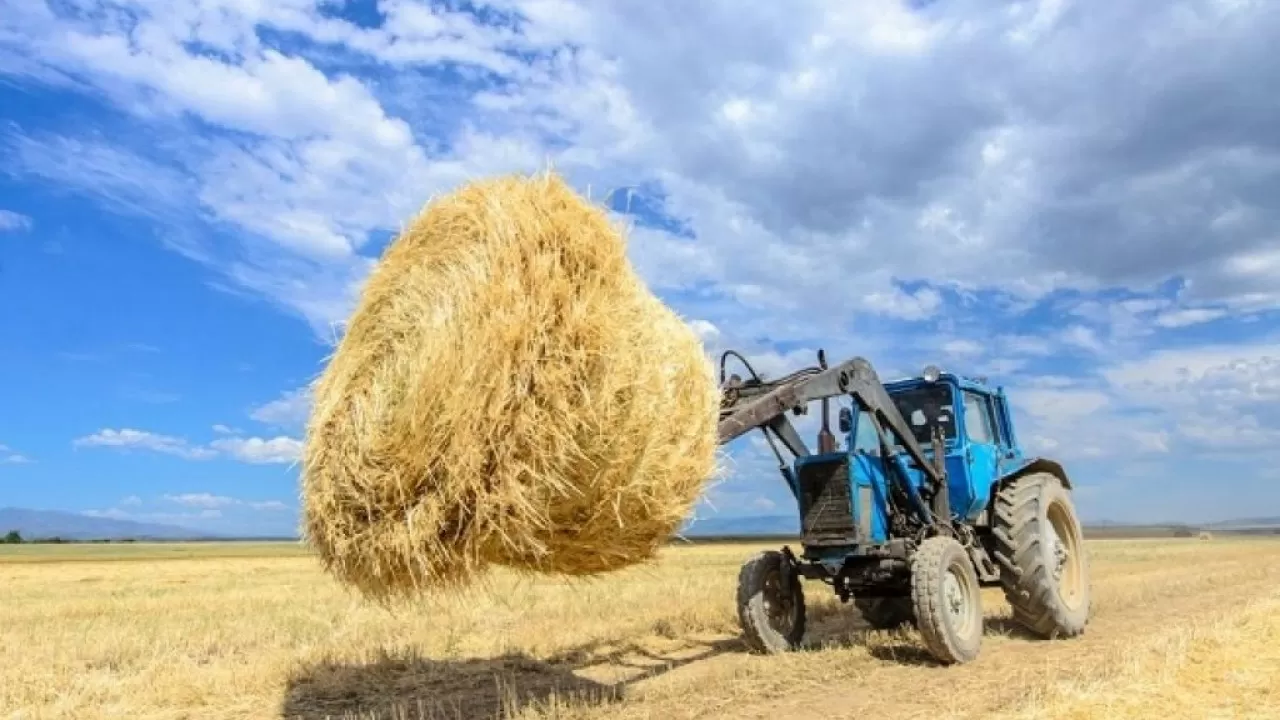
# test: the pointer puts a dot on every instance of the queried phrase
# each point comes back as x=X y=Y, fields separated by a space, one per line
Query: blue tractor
x=929 y=500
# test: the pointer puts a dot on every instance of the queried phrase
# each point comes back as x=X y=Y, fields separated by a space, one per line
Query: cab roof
x=978 y=385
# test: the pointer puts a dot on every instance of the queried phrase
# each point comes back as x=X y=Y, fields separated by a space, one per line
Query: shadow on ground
x=407 y=686
x=841 y=626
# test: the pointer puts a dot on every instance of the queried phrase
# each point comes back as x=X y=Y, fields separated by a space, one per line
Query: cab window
x=977 y=419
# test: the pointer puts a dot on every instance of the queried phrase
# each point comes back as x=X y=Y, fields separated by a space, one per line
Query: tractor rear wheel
x=885 y=613
x=947 y=600
x=772 y=620
x=1040 y=552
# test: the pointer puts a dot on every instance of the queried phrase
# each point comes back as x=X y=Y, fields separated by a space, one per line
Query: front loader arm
x=759 y=404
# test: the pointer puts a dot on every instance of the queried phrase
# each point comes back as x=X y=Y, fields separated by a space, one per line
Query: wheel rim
x=958 y=600
x=1065 y=559
x=779 y=608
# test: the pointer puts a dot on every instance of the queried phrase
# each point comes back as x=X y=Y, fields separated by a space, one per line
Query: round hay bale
x=509 y=392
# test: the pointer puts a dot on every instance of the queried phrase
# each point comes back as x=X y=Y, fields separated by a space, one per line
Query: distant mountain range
x=752 y=525
x=1247 y=522
x=1257 y=522
x=45 y=524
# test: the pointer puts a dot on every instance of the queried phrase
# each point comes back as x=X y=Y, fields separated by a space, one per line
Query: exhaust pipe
x=826 y=440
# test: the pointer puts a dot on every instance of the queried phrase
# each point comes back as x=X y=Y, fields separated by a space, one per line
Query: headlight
x=932 y=373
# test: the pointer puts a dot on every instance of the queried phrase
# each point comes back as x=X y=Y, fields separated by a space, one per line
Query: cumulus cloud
x=13 y=221
x=210 y=501
x=1060 y=198
x=160 y=517
x=221 y=513
x=9 y=456
x=934 y=143
x=202 y=500
x=254 y=450
x=131 y=439
x=288 y=411
x=260 y=450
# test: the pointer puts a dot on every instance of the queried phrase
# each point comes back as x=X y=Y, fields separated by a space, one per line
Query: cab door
x=981 y=456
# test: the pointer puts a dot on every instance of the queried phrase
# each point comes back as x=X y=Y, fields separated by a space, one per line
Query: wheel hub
x=1061 y=554
x=777 y=606
x=1066 y=561
x=954 y=599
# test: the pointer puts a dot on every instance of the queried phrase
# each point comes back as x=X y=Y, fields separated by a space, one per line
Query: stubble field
x=1182 y=628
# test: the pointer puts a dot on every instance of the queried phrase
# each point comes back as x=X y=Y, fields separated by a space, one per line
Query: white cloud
x=158 y=517
x=1202 y=377
x=896 y=303
x=259 y=450
x=967 y=157
x=885 y=180
x=1060 y=418
x=289 y=411
x=1189 y=316
x=11 y=221
x=202 y=500
x=1068 y=406
x=245 y=449
x=128 y=438
x=1082 y=337
x=204 y=510
x=210 y=501
x=963 y=348
x=8 y=456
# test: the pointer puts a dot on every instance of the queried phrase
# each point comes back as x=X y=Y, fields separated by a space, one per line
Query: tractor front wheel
x=772 y=619
x=947 y=600
x=1040 y=551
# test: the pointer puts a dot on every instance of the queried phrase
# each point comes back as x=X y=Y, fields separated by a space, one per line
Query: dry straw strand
x=507 y=392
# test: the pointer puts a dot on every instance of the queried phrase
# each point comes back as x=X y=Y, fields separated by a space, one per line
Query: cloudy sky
x=1069 y=198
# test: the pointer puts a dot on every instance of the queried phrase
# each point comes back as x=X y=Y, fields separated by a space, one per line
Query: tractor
x=929 y=500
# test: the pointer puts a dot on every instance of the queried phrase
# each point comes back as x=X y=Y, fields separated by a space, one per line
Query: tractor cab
x=973 y=422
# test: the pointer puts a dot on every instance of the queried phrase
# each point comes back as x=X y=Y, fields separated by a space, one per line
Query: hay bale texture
x=506 y=392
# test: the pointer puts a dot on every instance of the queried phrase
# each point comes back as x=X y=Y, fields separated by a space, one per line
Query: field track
x=1182 y=628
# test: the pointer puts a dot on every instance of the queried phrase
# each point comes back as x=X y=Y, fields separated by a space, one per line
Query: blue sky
x=1077 y=204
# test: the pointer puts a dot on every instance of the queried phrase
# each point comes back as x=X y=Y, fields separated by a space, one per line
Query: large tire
x=771 y=623
x=947 y=600
x=1039 y=548
x=886 y=613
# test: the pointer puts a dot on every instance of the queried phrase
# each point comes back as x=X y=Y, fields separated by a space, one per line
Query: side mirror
x=845 y=420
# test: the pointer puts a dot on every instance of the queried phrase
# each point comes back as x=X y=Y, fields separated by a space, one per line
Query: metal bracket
x=790 y=572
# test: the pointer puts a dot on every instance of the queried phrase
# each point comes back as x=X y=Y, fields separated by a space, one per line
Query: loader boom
x=747 y=405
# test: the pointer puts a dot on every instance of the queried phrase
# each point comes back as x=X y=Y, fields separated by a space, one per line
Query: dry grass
x=1224 y=666
x=507 y=391
x=1179 y=625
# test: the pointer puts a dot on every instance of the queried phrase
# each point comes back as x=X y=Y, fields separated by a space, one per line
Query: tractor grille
x=826 y=508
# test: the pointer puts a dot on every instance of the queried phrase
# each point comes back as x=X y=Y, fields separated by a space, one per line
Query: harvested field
x=1182 y=628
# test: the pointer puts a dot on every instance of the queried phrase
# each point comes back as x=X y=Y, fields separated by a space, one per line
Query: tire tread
x=1026 y=579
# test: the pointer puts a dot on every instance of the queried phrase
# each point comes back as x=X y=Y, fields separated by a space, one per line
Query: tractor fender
x=1026 y=466
x=1014 y=469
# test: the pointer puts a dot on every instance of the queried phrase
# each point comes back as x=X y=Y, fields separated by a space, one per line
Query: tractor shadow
x=836 y=627
x=1007 y=627
x=409 y=686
